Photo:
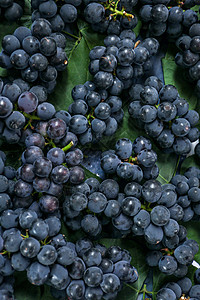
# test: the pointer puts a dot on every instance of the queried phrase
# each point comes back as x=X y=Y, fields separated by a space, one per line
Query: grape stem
x=31 y=117
x=72 y=35
x=25 y=236
x=68 y=146
x=43 y=243
x=112 y=6
x=144 y=290
x=50 y=142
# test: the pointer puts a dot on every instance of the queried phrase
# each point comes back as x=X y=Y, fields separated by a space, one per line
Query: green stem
x=4 y=252
x=74 y=47
x=72 y=35
x=178 y=161
x=163 y=178
x=121 y=13
x=31 y=117
x=68 y=146
x=145 y=207
x=131 y=287
x=52 y=143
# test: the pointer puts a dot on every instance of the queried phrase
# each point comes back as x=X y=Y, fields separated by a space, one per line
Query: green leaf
x=191 y=161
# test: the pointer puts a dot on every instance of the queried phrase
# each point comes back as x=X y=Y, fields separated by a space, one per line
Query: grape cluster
x=131 y=161
x=188 y=192
x=148 y=210
x=60 y=14
x=182 y=289
x=11 y=10
x=159 y=17
x=164 y=115
x=97 y=107
x=95 y=113
x=30 y=238
x=38 y=53
x=124 y=57
x=188 y=56
x=110 y=16
x=32 y=244
x=46 y=174
x=175 y=253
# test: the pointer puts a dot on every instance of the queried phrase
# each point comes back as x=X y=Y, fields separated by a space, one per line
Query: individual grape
x=19 y=59
x=110 y=283
x=166 y=293
x=10 y=43
x=48 y=9
x=19 y=262
x=94 y=13
x=76 y=289
x=30 y=247
x=39 y=229
x=160 y=215
x=38 y=62
x=93 y=276
x=58 y=277
x=47 y=256
x=153 y=234
x=78 y=201
x=66 y=256
x=6 y=107
x=56 y=128
x=41 y=28
x=27 y=102
x=122 y=222
x=37 y=274
x=184 y=254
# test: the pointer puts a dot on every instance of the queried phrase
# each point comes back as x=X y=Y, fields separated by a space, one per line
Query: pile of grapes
x=99 y=174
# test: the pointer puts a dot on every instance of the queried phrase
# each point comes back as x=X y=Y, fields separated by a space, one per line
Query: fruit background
x=79 y=44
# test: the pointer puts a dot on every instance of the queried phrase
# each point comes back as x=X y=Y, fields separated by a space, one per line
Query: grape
x=93 y=293
x=56 y=128
x=122 y=222
x=110 y=283
x=27 y=102
x=66 y=256
x=125 y=271
x=47 y=256
x=76 y=289
x=19 y=263
x=6 y=107
x=37 y=274
x=10 y=43
x=30 y=247
x=39 y=229
x=38 y=62
x=19 y=59
x=48 y=9
x=160 y=215
x=78 y=201
x=166 y=293
x=94 y=13
x=93 y=276
x=48 y=204
x=153 y=234
x=42 y=167
x=184 y=254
